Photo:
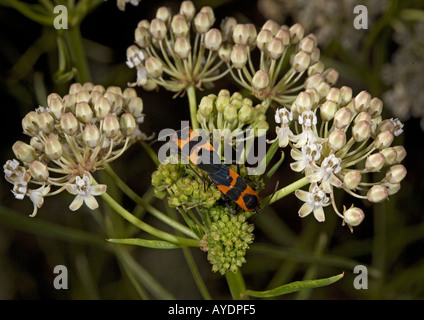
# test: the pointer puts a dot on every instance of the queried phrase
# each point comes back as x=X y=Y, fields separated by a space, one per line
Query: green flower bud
x=317 y=67
x=53 y=149
x=376 y=107
x=111 y=126
x=91 y=136
x=128 y=124
x=182 y=47
x=83 y=112
x=375 y=162
x=353 y=216
x=39 y=171
x=377 y=193
x=24 y=152
x=222 y=102
x=352 y=179
x=69 y=123
x=206 y=106
x=246 y=114
x=396 y=173
x=230 y=113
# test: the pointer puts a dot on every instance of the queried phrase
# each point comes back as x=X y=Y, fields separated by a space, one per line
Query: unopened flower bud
x=188 y=10
x=361 y=131
x=363 y=116
x=53 y=149
x=307 y=44
x=227 y=28
x=154 y=67
x=296 y=33
x=263 y=38
x=224 y=52
x=375 y=162
x=303 y=102
x=142 y=37
x=352 y=179
x=30 y=123
x=239 y=56
x=276 y=48
x=56 y=108
x=337 y=139
x=377 y=193
x=39 y=171
x=222 y=101
x=301 y=61
x=206 y=106
x=383 y=140
x=182 y=47
x=353 y=216
x=46 y=122
x=111 y=126
x=91 y=136
x=209 y=11
x=331 y=76
x=246 y=113
x=317 y=67
x=390 y=155
x=386 y=125
x=362 y=101
x=260 y=80
x=128 y=124
x=23 y=151
x=164 y=14
x=400 y=153
x=213 y=39
x=240 y=34
x=179 y=26
x=83 y=112
x=202 y=22
x=314 y=80
x=158 y=29
x=135 y=106
x=37 y=144
x=272 y=26
x=102 y=107
x=69 y=123
x=396 y=173
x=376 y=107
x=342 y=118
x=328 y=110
x=230 y=113
x=392 y=187
x=334 y=95
x=346 y=93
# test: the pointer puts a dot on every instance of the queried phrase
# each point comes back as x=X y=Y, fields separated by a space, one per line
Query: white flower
x=306 y=159
x=326 y=174
x=85 y=192
x=398 y=126
x=135 y=59
x=284 y=134
x=308 y=120
x=314 y=200
x=37 y=197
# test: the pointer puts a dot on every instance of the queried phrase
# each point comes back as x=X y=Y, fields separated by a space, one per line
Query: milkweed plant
x=334 y=140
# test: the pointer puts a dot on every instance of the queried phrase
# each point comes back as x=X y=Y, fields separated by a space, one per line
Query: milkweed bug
x=202 y=154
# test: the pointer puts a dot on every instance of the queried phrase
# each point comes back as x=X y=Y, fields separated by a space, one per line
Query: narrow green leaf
x=294 y=287
x=156 y=244
x=274 y=168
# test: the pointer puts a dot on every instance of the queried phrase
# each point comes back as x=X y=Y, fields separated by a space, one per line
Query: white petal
x=91 y=202
x=72 y=189
x=77 y=203
x=98 y=189
x=319 y=214
x=305 y=210
x=302 y=195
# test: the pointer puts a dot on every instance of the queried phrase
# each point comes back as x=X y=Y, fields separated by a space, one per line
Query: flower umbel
x=71 y=137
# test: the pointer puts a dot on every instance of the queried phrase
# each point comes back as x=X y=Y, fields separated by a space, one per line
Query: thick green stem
x=285 y=191
x=76 y=48
x=237 y=285
x=191 y=93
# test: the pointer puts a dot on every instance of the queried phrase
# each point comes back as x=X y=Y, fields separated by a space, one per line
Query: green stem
x=155 y=212
x=146 y=227
x=74 y=40
x=236 y=284
x=191 y=93
x=285 y=191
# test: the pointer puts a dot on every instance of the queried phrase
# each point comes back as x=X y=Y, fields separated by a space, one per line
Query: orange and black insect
x=202 y=154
